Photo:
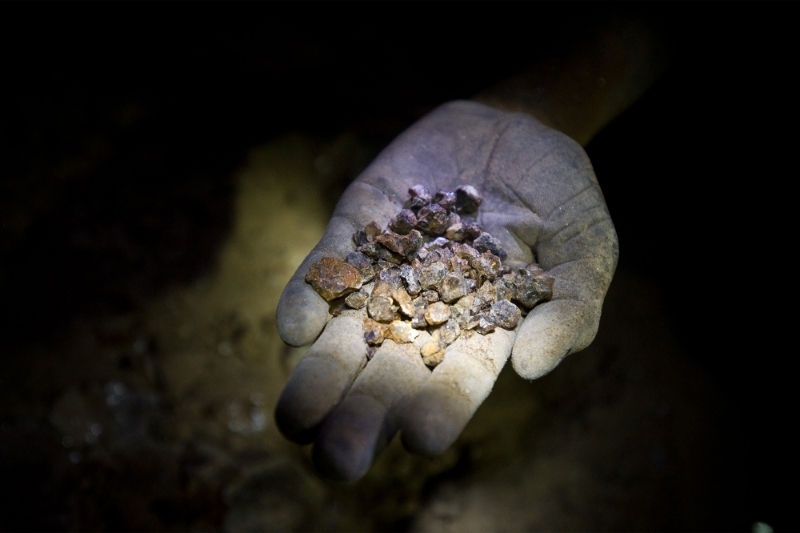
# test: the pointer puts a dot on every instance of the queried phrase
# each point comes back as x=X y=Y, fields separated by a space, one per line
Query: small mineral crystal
x=432 y=352
x=437 y=313
x=419 y=196
x=357 y=300
x=446 y=199
x=333 y=278
x=467 y=200
x=452 y=287
x=380 y=308
x=530 y=290
x=362 y=264
x=404 y=222
x=450 y=331
x=404 y=302
x=485 y=324
x=505 y=314
x=487 y=243
x=374 y=332
x=410 y=275
x=431 y=275
x=433 y=219
x=402 y=332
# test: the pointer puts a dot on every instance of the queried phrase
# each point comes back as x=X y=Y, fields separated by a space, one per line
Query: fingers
x=433 y=419
x=551 y=332
x=361 y=426
x=321 y=379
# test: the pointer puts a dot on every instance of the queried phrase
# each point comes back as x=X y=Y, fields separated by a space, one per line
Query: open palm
x=540 y=199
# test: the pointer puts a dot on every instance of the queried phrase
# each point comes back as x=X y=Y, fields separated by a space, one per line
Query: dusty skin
x=187 y=423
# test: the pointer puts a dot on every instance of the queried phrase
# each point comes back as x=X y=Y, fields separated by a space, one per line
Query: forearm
x=583 y=88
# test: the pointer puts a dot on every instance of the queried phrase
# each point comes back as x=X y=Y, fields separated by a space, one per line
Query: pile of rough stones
x=430 y=270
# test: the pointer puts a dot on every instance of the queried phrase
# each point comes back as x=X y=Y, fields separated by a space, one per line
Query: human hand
x=540 y=199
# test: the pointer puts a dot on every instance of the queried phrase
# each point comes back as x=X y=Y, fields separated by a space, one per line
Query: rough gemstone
x=333 y=278
x=487 y=243
x=437 y=313
x=505 y=314
x=374 y=332
x=403 y=222
x=372 y=230
x=430 y=295
x=446 y=199
x=487 y=265
x=404 y=302
x=456 y=232
x=472 y=229
x=452 y=287
x=391 y=276
x=419 y=196
x=485 y=296
x=467 y=199
x=362 y=264
x=431 y=275
x=410 y=275
x=432 y=351
x=403 y=245
x=502 y=290
x=432 y=219
x=438 y=242
x=401 y=331
x=357 y=300
x=450 y=331
x=485 y=324
x=464 y=251
x=530 y=290
x=380 y=308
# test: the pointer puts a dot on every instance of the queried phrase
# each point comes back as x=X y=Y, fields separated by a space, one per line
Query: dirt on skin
x=161 y=418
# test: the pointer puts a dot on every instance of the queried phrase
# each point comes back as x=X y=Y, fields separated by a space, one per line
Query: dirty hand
x=540 y=199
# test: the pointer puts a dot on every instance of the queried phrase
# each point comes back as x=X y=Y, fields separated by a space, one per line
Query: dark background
x=121 y=126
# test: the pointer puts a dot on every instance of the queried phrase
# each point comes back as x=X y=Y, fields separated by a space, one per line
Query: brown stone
x=380 y=308
x=432 y=219
x=402 y=245
x=404 y=222
x=433 y=351
x=446 y=199
x=456 y=232
x=362 y=264
x=403 y=300
x=431 y=275
x=357 y=299
x=333 y=278
x=464 y=251
x=374 y=332
x=487 y=265
x=485 y=296
x=372 y=230
x=452 y=287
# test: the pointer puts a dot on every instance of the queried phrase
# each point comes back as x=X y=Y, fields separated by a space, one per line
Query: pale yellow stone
x=401 y=332
x=437 y=313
